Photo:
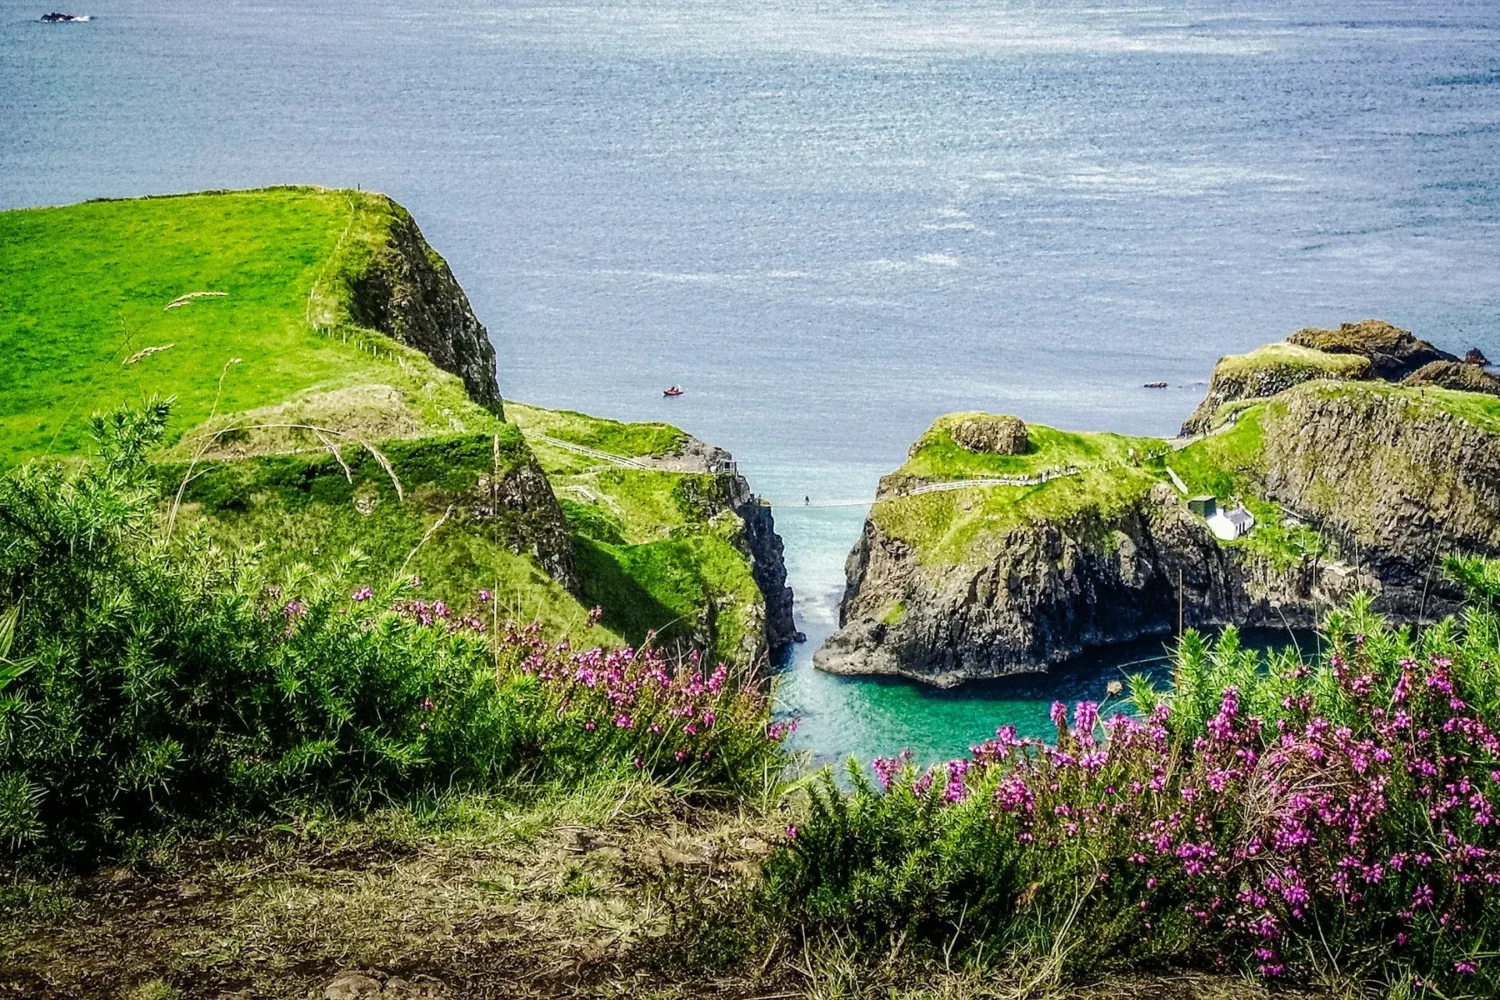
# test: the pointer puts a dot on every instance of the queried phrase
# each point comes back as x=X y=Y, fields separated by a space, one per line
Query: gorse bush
x=1287 y=818
x=146 y=685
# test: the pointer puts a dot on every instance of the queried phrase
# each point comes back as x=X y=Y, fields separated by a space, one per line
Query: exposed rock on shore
x=1393 y=353
x=1453 y=375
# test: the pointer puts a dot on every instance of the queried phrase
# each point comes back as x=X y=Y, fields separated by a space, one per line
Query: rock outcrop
x=1369 y=349
x=1463 y=376
x=408 y=292
x=1393 y=353
x=996 y=435
x=759 y=542
x=1385 y=480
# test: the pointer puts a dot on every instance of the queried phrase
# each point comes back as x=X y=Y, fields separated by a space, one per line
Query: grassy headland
x=85 y=323
x=333 y=446
x=1099 y=472
x=964 y=527
x=658 y=550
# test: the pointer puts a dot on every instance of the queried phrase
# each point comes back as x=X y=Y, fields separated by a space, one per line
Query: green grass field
x=1282 y=355
x=635 y=440
x=936 y=456
x=967 y=526
x=84 y=323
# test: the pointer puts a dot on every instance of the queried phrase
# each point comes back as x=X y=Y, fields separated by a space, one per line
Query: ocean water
x=832 y=222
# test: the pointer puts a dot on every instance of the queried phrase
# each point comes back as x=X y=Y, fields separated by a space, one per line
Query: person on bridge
x=806 y=501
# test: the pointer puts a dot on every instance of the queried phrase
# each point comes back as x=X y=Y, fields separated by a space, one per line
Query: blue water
x=834 y=221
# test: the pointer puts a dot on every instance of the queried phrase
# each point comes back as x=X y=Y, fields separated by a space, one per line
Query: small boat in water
x=56 y=18
x=676 y=390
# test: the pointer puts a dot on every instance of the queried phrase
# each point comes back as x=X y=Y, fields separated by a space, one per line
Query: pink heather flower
x=1465 y=968
x=1059 y=714
x=426 y=704
x=362 y=594
x=1085 y=719
x=791 y=832
x=484 y=596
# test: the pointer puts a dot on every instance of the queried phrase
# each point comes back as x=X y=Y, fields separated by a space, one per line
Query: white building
x=1230 y=524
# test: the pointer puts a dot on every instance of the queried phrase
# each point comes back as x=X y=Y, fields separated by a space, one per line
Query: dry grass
x=604 y=893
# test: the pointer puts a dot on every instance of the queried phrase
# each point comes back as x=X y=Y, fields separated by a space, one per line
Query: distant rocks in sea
x=56 y=18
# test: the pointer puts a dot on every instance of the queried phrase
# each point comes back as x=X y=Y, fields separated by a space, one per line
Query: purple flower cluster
x=642 y=705
x=1361 y=796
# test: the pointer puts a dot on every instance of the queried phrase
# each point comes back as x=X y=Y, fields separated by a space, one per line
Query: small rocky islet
x=1361 y=456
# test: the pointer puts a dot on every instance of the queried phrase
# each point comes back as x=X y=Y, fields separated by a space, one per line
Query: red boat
x=676 y=390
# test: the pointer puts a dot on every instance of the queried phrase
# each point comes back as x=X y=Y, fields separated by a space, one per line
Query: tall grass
x=147 y=685
x=1330 y=820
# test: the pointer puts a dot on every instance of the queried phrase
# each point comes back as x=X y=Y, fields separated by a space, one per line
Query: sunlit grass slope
x=656 y=549
x=966 y=526
x=84 y=322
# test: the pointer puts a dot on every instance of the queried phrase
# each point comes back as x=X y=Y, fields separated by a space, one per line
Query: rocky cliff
x=1356 y=486
x=1369 y=349
x=407 y=291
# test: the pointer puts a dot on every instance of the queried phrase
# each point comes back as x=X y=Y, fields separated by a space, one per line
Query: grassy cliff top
x=85 y=322
x=654 y=547
x=936 y=456
x=626 y=440
x=1286 y=355
x=967 y=526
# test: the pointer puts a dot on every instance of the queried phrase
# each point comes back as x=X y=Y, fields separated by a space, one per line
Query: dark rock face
x=1474 y=356
x=1393 y=352
x=1392 y=485
x=520 y=503
x=1059 y=588
x=1463 y=376
x=994 y=435
x=768 y=567
x=410 y=294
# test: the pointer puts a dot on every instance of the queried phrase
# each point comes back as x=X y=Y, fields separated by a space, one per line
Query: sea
x=831 y=221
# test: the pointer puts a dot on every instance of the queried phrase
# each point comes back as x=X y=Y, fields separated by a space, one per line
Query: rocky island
x=1361 y=456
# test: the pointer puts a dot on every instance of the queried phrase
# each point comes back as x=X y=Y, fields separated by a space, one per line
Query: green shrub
x=148 y=685
x=1280 y=816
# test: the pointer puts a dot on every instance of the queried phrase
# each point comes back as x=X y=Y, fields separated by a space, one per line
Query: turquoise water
x=832 y=222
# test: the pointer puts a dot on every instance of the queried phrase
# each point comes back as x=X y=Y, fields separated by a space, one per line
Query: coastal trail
x=944 y=487
x=603 y=456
